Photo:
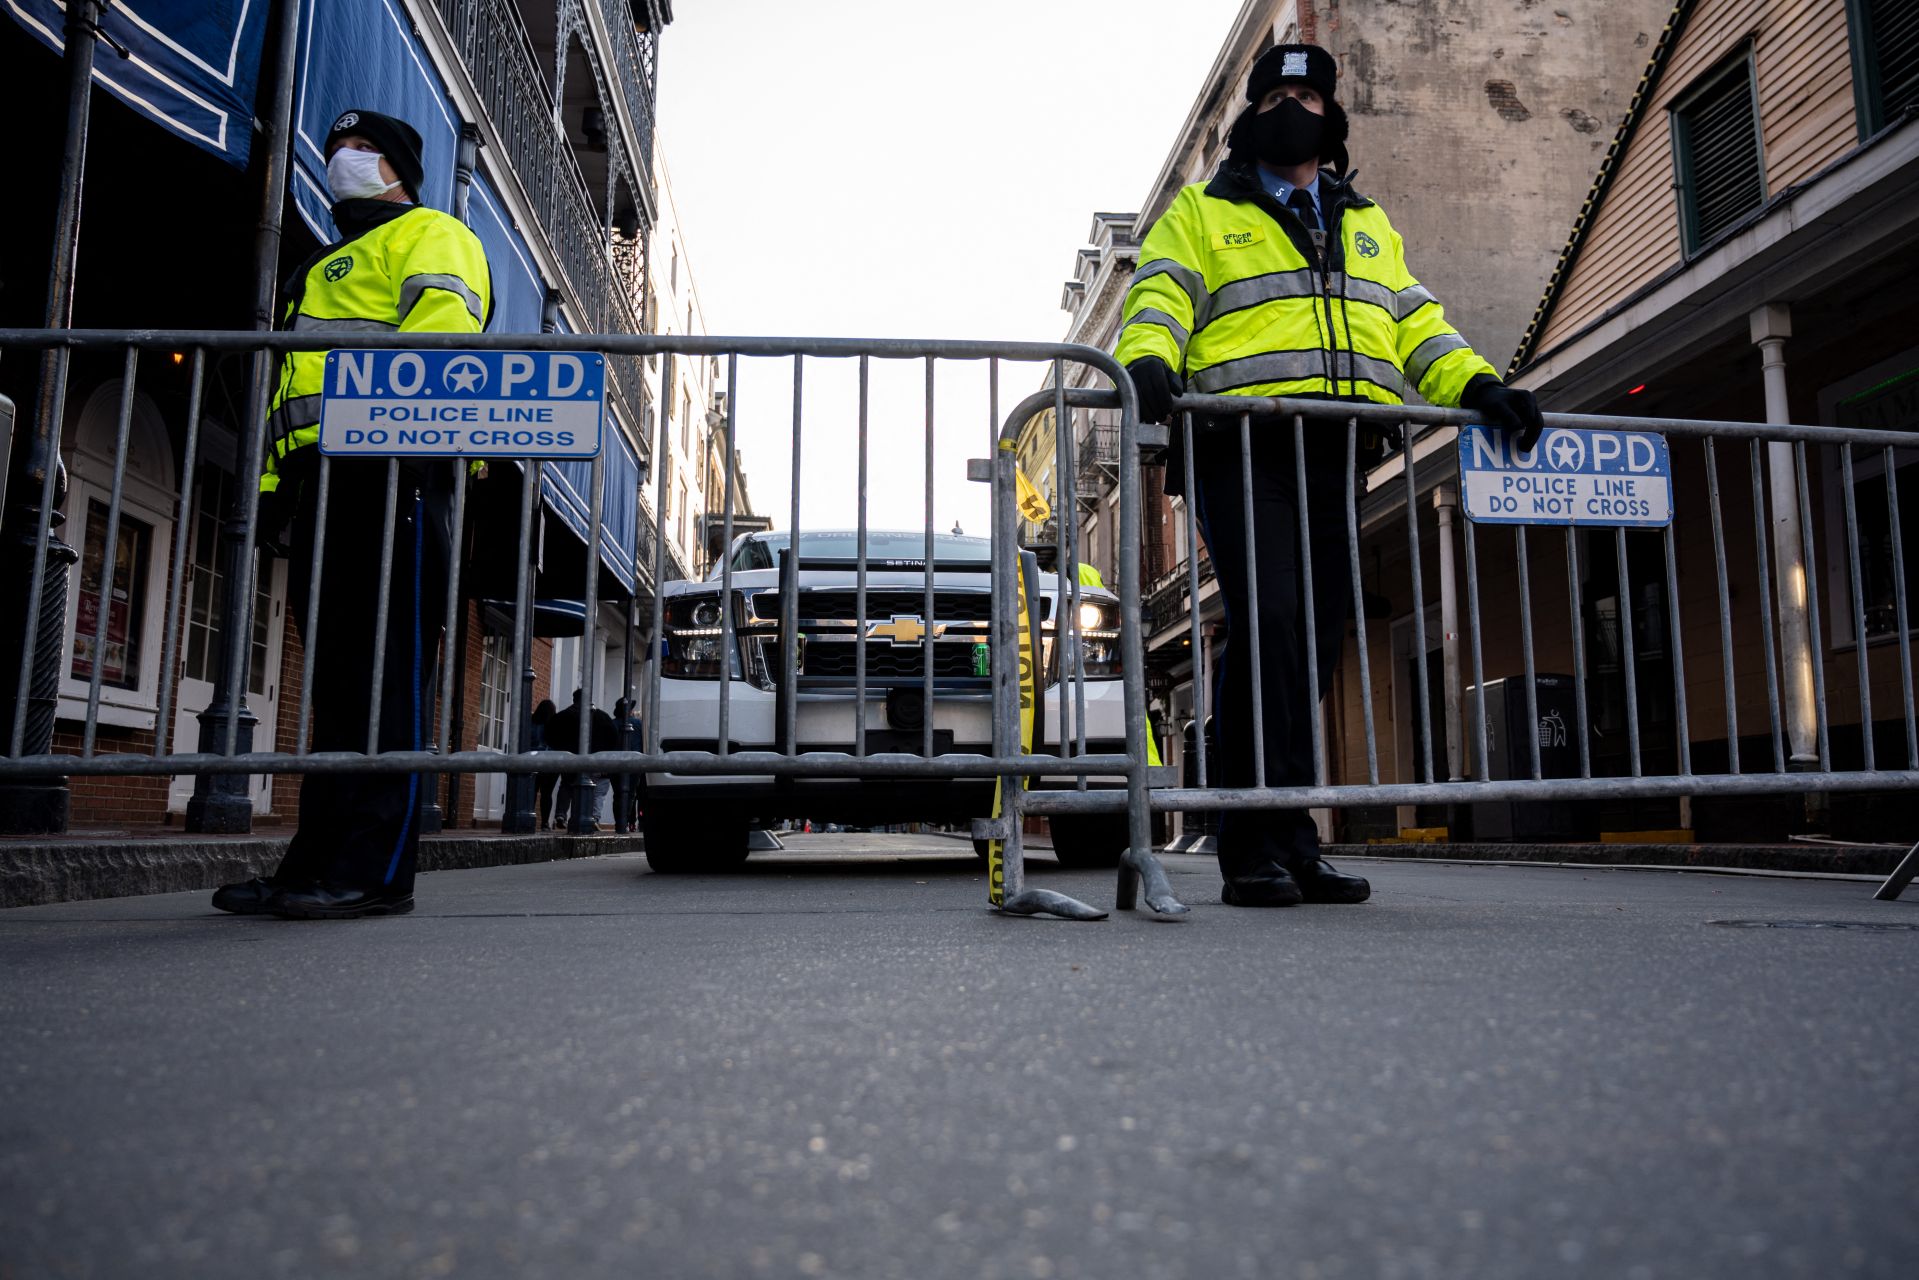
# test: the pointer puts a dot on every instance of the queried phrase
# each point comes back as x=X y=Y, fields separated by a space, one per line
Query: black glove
x=1510 y=408
x=1156 y=384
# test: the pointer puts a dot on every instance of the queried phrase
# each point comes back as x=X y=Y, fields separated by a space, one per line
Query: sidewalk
x=121 y=862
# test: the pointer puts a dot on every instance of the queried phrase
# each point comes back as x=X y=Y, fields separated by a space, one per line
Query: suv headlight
x=1098 y=639
x=692 y=648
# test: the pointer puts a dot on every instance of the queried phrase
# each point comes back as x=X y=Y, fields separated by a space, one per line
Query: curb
x=1794 y=859
x=35 y=873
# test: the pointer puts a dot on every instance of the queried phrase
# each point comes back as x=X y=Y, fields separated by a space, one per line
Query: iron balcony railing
x=499 y=57
x=633 y=59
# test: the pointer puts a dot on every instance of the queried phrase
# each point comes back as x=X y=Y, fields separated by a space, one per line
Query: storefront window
x=119 y=646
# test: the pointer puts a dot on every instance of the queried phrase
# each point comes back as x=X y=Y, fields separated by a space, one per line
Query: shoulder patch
x=1367 y=246
x=1237 y=239
x=338 y=268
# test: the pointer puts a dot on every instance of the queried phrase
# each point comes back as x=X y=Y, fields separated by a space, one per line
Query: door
x=201 y=650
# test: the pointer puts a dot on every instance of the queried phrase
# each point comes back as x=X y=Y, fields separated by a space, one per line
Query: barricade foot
x=1895 y=884
x=1152 y=876
x=1032 y=902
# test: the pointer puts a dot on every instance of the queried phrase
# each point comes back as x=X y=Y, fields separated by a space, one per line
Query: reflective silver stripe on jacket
x=311 y=324
x=1430 y=350
x=1153 y=315
x=290 y=416
x=1253 y=290
x=1291 y=366
x=1409 y=300
x=413 y=286
x=1190 y=282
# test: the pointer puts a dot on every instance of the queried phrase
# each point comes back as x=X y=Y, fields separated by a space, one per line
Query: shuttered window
x=1715 y=132
x=1885 y=60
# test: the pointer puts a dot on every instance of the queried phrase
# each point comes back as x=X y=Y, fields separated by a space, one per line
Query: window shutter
x=1716 y=132
x=1895 y=47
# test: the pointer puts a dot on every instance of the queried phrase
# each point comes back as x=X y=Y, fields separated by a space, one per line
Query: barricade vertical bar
x=1359 y=603
x=310 y=626
x=1858 y=608
x=1257 y=710
x=1573 y=584
x=177 y=571
x=1899 y=603
x=662 y=469
x=1682 y=721
x=1479 y=660
x=240 y=641
x=523 y=577
x=930 y=644
x=1064 y=565
x=383 y=609
x=1811 y=586
x=1730 y=689
x=1137 y=866
x=1622 y=619
x=448 y=630
x=1526 y=646
x=1306 y=592
x=1762 y=536
x=1424 y=717
x=1005 y=661
x=585 y=813
x=1202 y=690
x=109 y=557
x=859 y=590
x=56 y=400
x=729 y=460
x=790 y=583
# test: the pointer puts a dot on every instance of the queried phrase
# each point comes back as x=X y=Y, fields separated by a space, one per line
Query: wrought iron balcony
x=499 y=58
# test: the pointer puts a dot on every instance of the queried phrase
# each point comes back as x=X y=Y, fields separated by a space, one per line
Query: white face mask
x=355 y=175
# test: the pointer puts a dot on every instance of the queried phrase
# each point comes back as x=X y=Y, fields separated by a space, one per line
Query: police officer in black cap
x=1278 y=278
x=397 y=267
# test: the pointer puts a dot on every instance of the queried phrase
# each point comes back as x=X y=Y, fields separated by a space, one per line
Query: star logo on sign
x=465 y=373
x=1566 y=451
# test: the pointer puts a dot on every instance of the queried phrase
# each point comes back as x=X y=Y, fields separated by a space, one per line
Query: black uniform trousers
x=1250 y=840
x=363 y=830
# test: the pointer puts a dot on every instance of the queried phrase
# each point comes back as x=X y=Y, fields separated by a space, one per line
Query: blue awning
x=363 y=53
x=193 y=66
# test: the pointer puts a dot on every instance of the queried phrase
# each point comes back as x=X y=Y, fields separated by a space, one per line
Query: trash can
x=1509 y=756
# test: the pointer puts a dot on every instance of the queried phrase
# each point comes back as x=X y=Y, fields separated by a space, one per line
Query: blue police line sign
x=1573 y=476
x=450 y=404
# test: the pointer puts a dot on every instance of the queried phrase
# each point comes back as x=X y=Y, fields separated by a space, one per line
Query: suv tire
x=1089 y=839
x=680 y=841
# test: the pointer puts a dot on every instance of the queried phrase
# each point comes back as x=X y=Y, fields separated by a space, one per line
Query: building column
x=1771 y=326
x=1446 y=504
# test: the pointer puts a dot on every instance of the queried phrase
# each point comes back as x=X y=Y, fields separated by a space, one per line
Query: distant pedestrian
x=563 y=734
x=543 y=783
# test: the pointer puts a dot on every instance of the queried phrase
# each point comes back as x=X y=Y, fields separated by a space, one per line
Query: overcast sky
x=892 y=168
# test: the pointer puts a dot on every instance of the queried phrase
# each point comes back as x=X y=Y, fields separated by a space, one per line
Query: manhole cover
x=1885 y=926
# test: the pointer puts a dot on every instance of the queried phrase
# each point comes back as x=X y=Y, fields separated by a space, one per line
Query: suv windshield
x=762 y=550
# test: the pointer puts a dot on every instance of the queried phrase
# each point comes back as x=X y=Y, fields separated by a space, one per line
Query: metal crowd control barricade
x=1800 y=760
x=1005 y=762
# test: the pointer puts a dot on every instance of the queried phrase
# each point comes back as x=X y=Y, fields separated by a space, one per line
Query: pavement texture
x=838 y=1062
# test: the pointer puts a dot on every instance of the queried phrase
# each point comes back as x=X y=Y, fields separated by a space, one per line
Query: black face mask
x=1289 y=134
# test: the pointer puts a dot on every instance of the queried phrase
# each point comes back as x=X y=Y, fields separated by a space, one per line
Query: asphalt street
x=839 y=1062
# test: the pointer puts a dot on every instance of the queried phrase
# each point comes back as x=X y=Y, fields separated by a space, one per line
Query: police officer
x=1278 y=278
x=398 y=266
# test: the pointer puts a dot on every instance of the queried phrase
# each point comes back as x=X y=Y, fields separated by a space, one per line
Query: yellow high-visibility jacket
x=1231 y=293
x=418 y=271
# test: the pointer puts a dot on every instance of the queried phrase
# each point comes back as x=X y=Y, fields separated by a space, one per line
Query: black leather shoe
x=334 y=902
x=1319 y=882
x=1274 y=888
x=248 y=898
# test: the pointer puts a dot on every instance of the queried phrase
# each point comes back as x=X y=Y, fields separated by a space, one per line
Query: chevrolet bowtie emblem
x=903 y=629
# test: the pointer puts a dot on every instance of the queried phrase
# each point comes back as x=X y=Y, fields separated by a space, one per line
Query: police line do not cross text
x=1573 y=476
x=450 y=404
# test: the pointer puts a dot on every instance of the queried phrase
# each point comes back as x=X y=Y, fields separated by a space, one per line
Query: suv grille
x=839 y=604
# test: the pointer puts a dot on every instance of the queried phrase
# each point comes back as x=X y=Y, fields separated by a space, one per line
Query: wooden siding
x=1806 y=122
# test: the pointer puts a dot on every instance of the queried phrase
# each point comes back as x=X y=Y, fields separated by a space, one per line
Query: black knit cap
x=397 y=140
x=1302 y=63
